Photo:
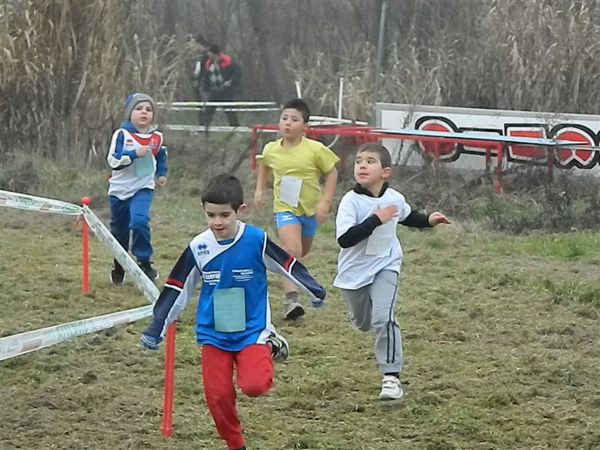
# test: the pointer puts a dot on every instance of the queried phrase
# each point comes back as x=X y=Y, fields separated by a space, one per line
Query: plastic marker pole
x=340 y=97
x=85 y=254
x=298 y=89
x=166 y=427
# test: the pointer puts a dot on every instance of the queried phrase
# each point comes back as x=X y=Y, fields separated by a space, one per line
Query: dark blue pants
x=133 y=215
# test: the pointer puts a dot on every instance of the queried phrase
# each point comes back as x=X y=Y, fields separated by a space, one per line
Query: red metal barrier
x=361 y=134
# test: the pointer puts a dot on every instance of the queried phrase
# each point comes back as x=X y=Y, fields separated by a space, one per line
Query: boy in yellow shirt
x=300 y=205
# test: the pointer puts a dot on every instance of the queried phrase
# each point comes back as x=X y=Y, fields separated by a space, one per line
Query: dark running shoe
x=293 y=310
x=146 y=267
x=117 y=273
x=280 y=349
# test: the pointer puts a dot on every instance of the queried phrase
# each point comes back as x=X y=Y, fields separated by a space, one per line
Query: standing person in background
x=139 y=163
x=202 y=49
x=371 y=256
x=297 y=164
x=220 y=79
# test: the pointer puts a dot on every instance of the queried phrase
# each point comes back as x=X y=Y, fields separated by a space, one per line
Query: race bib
x=379 y=243
x=229 y=310
x=289 y=190
x=144 y=166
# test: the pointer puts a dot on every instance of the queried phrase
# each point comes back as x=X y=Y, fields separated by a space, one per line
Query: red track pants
x=254 y=369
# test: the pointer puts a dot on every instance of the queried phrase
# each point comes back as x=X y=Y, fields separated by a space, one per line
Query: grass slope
x=501 y=345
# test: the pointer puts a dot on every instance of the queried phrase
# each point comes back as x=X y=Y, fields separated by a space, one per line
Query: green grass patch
x=554 y=245
x=500 y=338
x=574 y=291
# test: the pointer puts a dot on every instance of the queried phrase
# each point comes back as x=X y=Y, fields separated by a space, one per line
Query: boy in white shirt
x=371 y=256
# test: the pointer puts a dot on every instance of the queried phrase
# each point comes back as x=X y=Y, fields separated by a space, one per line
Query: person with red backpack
x=219 y=82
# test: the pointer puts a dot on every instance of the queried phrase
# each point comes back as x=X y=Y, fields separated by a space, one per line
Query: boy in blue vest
x=370 y=259
x=139 y=163
x=233 y=318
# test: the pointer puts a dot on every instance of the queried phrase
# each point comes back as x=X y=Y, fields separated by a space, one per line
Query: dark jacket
x=220 y=80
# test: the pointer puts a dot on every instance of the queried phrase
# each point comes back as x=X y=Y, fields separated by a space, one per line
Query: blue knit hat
x=136 y=98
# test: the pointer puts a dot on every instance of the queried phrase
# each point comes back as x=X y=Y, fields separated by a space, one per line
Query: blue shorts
x=309 y=224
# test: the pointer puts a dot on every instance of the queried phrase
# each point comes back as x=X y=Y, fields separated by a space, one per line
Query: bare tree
x=269 y=47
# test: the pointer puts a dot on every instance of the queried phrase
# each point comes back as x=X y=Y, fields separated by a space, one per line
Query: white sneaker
x=391 y=389
x=280 y=349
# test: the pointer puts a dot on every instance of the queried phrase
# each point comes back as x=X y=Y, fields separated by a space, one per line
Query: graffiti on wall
x=584 y=129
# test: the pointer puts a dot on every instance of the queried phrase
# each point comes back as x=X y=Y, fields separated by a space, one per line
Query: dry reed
x=67 y=65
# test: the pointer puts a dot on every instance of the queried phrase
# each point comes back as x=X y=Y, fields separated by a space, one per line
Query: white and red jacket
x=130 y=173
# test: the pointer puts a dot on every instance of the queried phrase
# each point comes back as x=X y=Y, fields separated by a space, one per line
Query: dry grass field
x=500 y=311
x=501 y=341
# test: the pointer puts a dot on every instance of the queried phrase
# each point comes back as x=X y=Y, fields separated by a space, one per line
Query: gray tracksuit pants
x=372 y=307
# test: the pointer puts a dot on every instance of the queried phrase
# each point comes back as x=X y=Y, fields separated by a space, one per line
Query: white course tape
x=30 y=341
x=19 y=344
x=136 y=274
x=31 y=203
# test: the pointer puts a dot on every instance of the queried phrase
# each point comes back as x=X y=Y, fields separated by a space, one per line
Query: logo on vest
x=212 y=277
x=243 y=274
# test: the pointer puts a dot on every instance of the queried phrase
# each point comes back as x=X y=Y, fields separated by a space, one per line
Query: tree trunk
x=170 y=17
x=277 y=75
x=374 y=23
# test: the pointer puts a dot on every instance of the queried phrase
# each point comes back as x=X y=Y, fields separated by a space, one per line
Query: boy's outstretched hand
x=436 y=218
x=142 y=150
x=150 y=342
x=161 y=182
x=319 y=303
x=322 y=211
x=386 y=214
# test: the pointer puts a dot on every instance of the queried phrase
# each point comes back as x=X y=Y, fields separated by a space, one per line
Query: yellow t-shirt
x=301 y=166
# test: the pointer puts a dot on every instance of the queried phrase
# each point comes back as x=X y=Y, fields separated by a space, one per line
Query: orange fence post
x=166 y=427
x=85 y=254
x=499 y=157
